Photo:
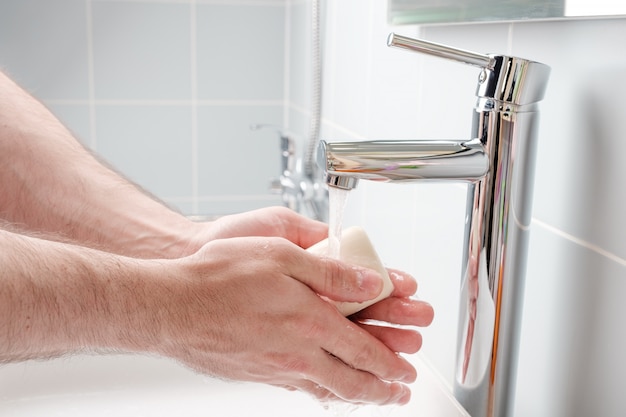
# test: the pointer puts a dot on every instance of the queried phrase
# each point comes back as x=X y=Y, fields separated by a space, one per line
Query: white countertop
x=139 y=386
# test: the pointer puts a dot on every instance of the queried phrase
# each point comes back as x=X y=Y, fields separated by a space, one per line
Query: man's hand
x=267 y=222
x=248 y=309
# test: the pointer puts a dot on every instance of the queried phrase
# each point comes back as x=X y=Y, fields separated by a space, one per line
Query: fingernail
x=369 y=281
x=405 y=396
x=409 y=377
x=402 y=395
x=406 y=372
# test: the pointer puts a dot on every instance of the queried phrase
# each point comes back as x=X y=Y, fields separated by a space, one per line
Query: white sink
x=139 y=386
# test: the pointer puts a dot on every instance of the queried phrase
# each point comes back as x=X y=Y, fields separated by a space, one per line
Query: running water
x=337 y=198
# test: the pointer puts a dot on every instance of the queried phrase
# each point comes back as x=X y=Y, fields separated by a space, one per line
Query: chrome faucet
x=498 y=164
x=300 y=191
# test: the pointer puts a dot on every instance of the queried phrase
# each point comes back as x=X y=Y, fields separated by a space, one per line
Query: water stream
x=337 y=198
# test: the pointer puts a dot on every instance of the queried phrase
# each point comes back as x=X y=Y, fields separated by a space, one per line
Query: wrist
x=151 y=232
x=135 y=303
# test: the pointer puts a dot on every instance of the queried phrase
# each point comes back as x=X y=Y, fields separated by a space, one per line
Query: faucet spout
x=402 y=161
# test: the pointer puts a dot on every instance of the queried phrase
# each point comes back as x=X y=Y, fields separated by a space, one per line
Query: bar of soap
x=357 y=249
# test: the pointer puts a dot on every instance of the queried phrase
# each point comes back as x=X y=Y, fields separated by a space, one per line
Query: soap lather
x=357 y=249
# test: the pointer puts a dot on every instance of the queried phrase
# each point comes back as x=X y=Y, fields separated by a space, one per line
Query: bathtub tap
x=498 y=164
x=300 y=191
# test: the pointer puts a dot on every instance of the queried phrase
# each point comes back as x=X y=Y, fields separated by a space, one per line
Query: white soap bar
x=357 y=249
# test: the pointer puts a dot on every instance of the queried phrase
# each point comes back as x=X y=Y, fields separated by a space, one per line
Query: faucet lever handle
x=439 y=50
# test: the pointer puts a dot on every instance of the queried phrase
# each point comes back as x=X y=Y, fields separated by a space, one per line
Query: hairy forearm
x=59 y=298
x=50 y=183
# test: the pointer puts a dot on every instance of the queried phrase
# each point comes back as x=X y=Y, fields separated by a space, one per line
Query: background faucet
x=497 y=161
x=300 y=188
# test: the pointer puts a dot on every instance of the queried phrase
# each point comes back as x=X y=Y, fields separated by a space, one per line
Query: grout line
x=592 y=247
x=369 y=65
x=300 y=109
x=511 y=30
x=339 y=128
x=90 y=76
x=287 y=66
x=193 y=53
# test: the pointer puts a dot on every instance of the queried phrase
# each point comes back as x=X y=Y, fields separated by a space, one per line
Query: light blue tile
x=300 y=55
x=225 y=207
x=232 y=158
x=141 y=50
x=43 y=45
x=76 y=118
x=299 y=127
x=240 y=52
x=151 y=145
x=184 y=206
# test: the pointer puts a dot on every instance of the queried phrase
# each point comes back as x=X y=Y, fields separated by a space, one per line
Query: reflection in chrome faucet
x=475 y=278
x=498 y=164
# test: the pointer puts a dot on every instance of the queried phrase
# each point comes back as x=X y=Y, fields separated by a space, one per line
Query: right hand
x=248 y=309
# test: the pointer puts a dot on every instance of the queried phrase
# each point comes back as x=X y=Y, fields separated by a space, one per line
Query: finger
x=299 y=229
x=332 y=278
x=361 y=351
x=404 y=285
x=402 y=311
x=333 y=381
x=357 y=386
x=396 y=339
x=270 y=222
x=307 y=231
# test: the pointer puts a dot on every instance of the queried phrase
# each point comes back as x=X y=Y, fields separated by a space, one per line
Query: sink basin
x=140 y=386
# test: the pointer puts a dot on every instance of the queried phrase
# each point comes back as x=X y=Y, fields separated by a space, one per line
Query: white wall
x=571 y=361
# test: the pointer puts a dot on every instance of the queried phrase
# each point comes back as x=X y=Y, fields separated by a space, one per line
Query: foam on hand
x=357 y=249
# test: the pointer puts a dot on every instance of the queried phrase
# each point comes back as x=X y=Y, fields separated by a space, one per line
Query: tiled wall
x=573 y=338
x=165 y=90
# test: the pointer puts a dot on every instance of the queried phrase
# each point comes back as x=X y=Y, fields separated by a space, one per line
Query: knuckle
x=290 y=363
x=354 y=392
x=335 y=277
x=297 y=365
x=365 y=356
x=274 y=248
x=311 y=328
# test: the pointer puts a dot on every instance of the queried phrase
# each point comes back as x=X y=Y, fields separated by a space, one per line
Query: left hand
x=266 y=222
